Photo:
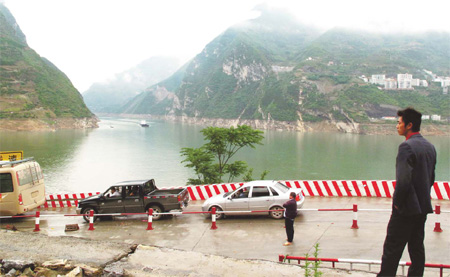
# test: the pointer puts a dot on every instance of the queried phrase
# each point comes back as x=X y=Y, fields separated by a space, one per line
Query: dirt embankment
x=48 y=124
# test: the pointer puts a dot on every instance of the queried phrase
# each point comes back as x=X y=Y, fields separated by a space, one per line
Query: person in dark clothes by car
x=289 y=216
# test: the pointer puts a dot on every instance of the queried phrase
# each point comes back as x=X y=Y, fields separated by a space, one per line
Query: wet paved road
x=259 y=237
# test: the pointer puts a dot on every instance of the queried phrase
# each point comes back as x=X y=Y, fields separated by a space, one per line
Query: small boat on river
x=144 y=123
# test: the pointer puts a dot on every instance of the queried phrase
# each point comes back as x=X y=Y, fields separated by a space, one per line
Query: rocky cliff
x=32 y=89
x=273 y=71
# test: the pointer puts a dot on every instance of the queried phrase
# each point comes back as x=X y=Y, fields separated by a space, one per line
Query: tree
x=222 y=144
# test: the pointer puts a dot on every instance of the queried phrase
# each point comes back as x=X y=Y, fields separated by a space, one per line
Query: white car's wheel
x=220 y=215
x=276 y=212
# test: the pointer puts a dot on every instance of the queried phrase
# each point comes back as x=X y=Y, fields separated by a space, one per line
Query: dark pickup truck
x=134 y=197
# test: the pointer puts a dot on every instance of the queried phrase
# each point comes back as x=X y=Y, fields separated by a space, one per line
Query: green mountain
x=109 y=96
x=31 y=87
x=274 y=68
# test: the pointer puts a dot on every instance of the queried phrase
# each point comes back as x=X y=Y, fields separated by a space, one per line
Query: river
x=120 y=149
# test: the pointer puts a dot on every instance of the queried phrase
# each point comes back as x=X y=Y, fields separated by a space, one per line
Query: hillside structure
x=403 y=81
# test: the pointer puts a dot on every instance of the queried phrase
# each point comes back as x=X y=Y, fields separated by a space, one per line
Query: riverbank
x=48 y=124
x=379 y=128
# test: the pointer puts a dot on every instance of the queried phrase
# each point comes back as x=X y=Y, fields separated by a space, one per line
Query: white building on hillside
x=378 y=79
x=415 y=82
x=423 y=83
x=445 y=82
x=436 y=117
x=364 y=78
x=404 y=81
x=390 y=83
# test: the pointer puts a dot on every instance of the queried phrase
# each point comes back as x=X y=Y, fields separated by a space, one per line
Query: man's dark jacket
x=416 y=161
x=291 y=208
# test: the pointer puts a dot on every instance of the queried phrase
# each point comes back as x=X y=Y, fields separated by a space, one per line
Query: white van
x=22 y=186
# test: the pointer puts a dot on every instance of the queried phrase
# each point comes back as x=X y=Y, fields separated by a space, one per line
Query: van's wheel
x=218 y=216
x=275 y=212
x=156 y=212
x=86 y=212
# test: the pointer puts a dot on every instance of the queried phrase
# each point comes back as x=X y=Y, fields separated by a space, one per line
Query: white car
x=254 y=196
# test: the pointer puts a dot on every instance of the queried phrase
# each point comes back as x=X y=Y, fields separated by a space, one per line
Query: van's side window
x=6 y=183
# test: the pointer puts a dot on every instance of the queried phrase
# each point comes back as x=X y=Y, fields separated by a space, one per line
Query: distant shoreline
x=440 y=129
x=48 y=124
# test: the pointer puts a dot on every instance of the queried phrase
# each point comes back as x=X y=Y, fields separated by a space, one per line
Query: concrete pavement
x=260 y=237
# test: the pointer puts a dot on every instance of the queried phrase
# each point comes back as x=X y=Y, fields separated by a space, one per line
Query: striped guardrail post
x=355 y=217
x=150 y=219
x=36 y=225
x=213 y=218
x=91 y=220
x=437 y=226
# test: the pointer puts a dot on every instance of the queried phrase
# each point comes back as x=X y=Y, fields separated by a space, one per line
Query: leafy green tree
x=201 y=161
x=212 y=161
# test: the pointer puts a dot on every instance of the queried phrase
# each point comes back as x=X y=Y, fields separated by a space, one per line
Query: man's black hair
x=410 y=115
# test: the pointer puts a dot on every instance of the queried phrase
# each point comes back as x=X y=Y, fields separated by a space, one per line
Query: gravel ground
x=118 y=259
x=40 y=248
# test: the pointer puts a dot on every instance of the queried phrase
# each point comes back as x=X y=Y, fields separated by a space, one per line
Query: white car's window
x=241 y=193
x=281 y=187
x=274 y=192
x=260 y=191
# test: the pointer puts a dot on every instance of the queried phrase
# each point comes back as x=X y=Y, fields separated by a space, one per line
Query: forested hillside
x=274 y=68
x=31 y=87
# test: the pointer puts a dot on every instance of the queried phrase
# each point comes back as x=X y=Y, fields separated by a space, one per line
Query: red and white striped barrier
x=65 y=199
x=322 y=188
x=440 y=190
x=203 y=192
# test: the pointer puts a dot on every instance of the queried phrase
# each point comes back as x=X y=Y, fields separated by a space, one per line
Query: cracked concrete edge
x=119 y=259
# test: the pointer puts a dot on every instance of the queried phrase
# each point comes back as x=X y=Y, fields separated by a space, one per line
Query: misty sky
x=92 y=40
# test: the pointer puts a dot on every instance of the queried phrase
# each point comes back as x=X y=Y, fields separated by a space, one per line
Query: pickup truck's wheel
x=86 y=211
x=218 y=216
x=276 y=214
x=157 y=210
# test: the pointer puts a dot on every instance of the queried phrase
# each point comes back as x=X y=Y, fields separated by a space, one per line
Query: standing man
x=289 y=216
x=415 y=165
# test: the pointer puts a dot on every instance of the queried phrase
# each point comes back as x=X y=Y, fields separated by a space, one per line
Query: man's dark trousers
x=289 y=223
x=400 y=231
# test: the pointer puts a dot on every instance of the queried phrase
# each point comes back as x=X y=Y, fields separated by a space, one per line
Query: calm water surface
x=91 y=160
